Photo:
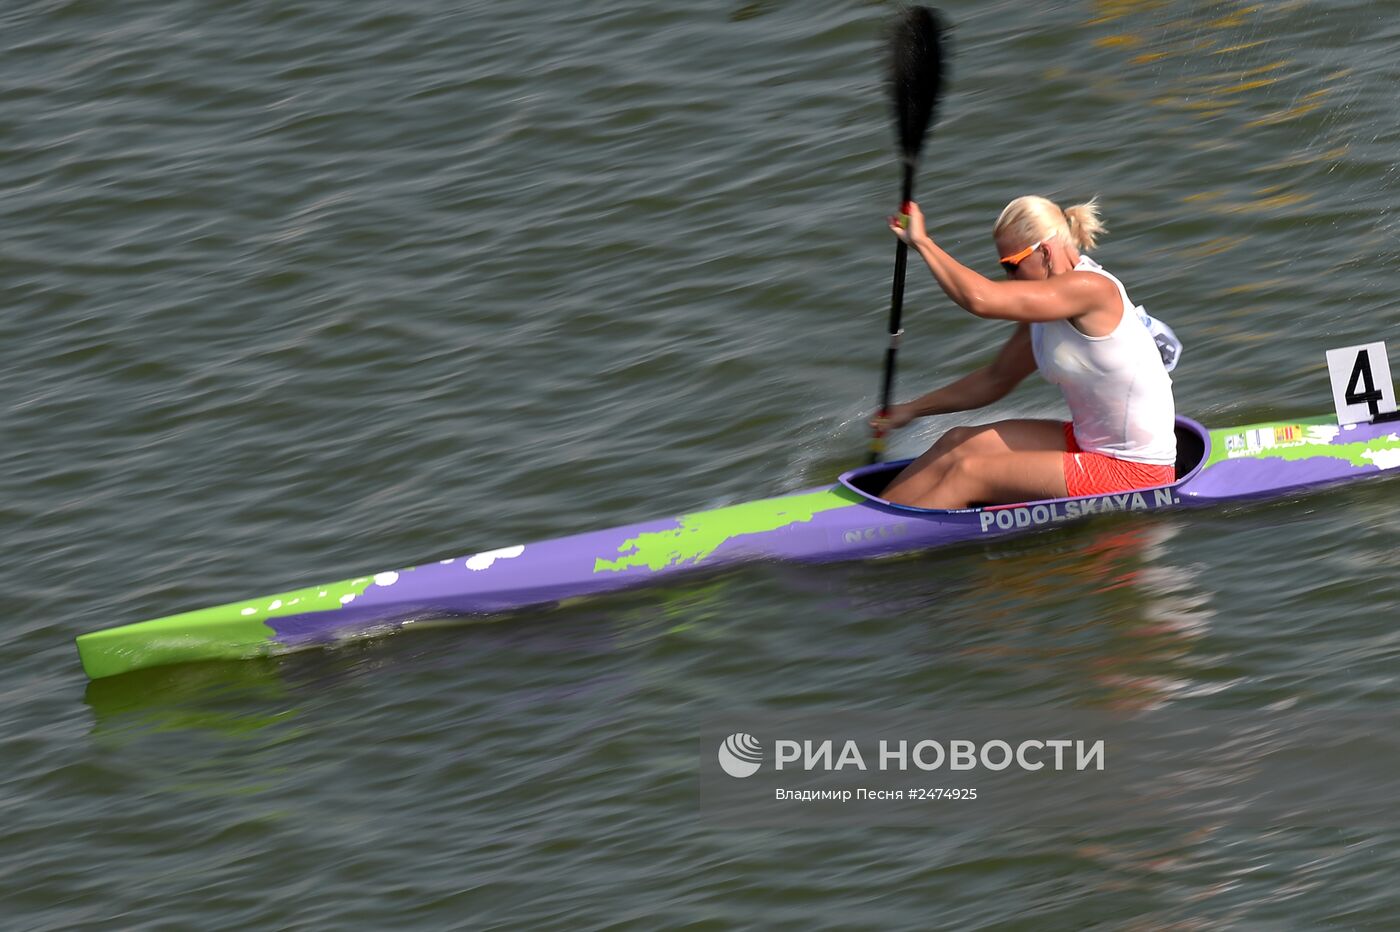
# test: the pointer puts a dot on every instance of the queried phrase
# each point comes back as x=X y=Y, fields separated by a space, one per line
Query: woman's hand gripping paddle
x=915 y=83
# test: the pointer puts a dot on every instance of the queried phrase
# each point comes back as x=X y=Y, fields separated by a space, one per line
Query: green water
x=298 y=291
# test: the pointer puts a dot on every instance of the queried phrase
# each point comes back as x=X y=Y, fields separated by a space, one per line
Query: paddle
x=915 y=83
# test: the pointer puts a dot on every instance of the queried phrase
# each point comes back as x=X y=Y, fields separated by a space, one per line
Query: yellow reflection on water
x=1211 y=247
x=1119 y=41
x=1302 y=159
x=1282 y=116
x=1227 y=74
x=1110 y=10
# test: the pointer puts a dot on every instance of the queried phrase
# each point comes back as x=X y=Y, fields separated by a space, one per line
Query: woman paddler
x=1075 y=323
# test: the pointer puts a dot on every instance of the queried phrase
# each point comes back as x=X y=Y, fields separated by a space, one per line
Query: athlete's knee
x=966 y=469
x=958 y=465
x=958 y=482
x=955 y=439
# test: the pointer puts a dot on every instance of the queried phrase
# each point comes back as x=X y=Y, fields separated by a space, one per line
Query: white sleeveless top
x=1118 y=392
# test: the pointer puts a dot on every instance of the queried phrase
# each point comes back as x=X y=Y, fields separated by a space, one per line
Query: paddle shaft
x=901 y=261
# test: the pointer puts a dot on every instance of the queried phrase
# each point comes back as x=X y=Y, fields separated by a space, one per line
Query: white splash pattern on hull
x=483 y=560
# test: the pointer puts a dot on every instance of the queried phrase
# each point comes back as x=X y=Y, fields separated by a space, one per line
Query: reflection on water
x=1108 y=610
x=227 y=698
x=180 y=725
x=1129 y=614
x=232 y=700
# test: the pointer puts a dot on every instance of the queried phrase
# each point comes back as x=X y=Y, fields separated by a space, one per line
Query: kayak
x=844 y=520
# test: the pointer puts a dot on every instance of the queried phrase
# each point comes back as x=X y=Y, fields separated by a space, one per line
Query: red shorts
x=1099 y=474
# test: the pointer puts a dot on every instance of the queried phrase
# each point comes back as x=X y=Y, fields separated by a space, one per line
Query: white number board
x=1361 y=386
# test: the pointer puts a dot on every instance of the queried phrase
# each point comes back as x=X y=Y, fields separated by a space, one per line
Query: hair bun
x=1084 y=223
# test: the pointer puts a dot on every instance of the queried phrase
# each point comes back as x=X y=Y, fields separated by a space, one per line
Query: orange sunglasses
x=1011 y=262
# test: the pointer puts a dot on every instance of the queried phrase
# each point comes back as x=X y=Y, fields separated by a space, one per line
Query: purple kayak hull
x=843 y=521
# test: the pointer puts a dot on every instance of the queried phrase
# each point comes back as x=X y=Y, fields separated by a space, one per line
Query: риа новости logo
x=740 y=755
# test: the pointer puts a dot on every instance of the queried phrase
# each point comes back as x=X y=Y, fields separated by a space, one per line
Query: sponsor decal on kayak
x=1260 y=439
x=1293 y=442
x=865 y=535
x=1024 y=516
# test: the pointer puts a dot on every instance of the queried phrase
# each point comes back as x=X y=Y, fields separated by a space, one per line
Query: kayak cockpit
x=1192 y=450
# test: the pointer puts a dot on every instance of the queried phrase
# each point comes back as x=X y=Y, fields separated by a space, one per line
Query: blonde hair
x=1031 y=218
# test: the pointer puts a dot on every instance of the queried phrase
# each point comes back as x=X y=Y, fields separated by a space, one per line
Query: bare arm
x=977 y=389
x=1071 y=295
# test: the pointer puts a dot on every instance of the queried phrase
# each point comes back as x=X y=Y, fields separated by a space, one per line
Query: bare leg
x=1000 y=479
x=961 y=455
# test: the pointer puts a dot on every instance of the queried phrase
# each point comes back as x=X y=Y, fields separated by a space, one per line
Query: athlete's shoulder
x=1095 y=281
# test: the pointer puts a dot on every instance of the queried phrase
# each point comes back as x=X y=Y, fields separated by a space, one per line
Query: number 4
x=1372 y=396
x=1361 y=386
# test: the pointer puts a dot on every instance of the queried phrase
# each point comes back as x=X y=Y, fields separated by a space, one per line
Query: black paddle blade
x=916 y=75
